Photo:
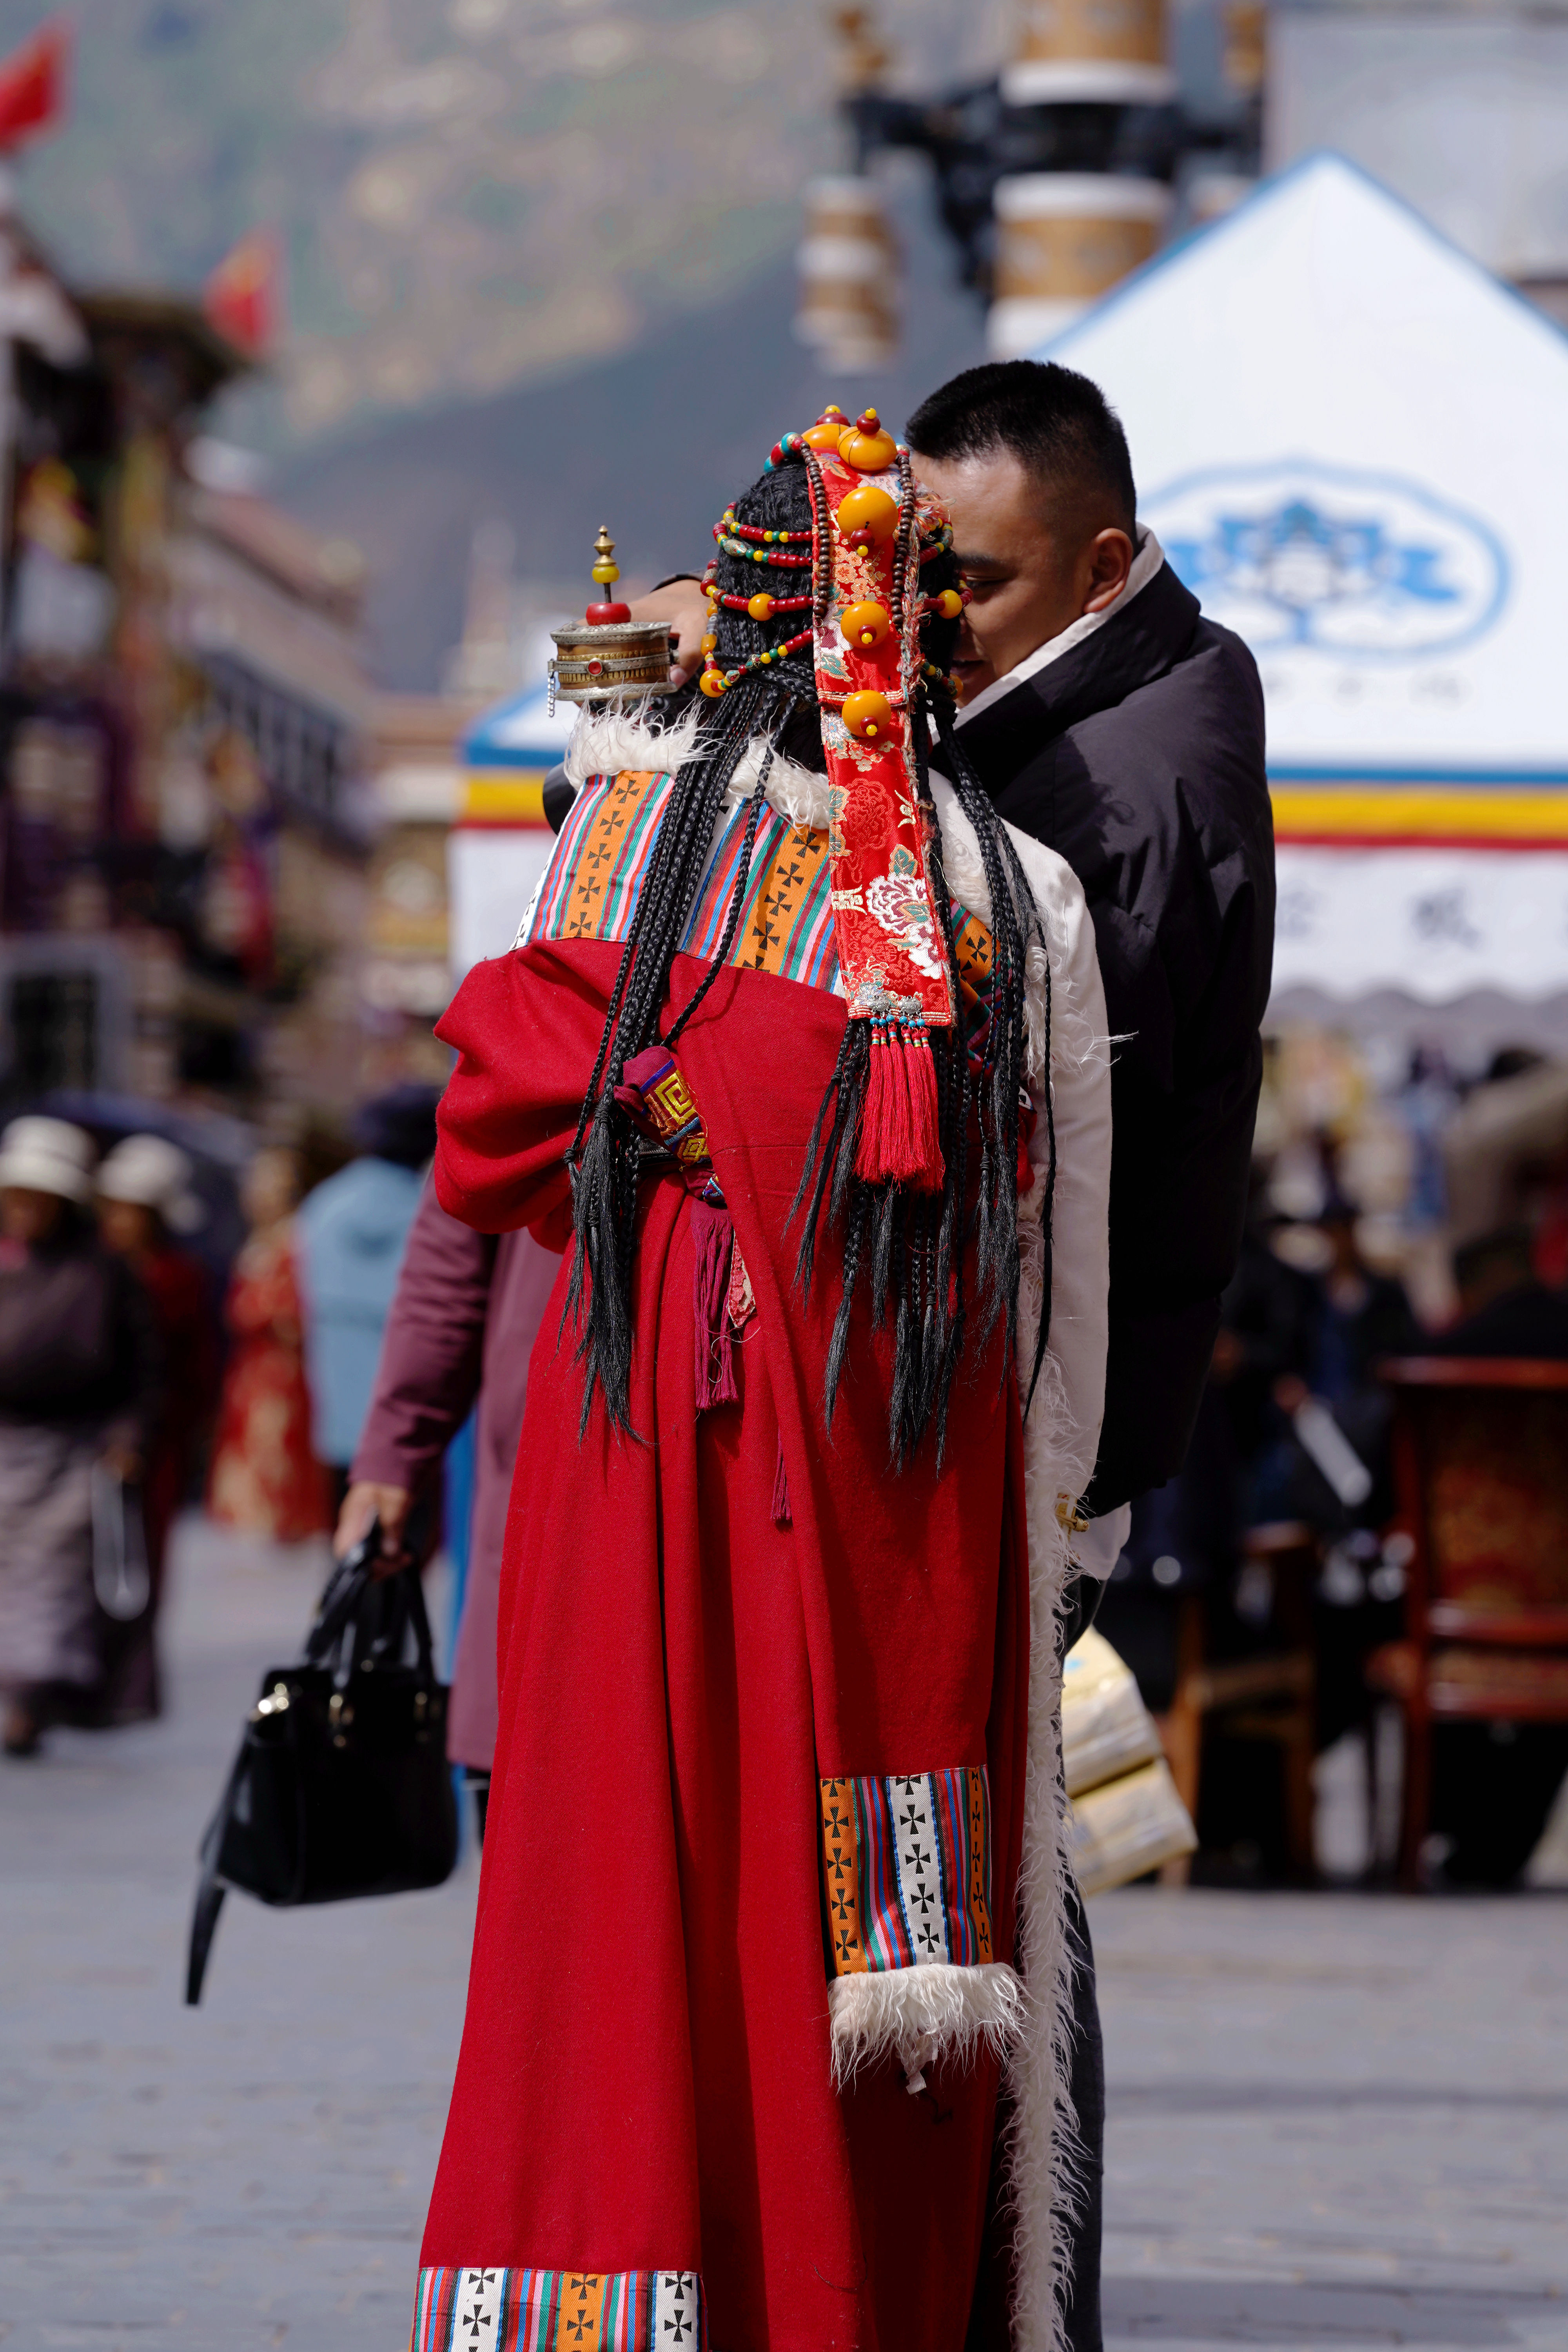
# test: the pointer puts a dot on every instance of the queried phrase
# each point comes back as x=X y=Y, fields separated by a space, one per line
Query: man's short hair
x=1057 y=424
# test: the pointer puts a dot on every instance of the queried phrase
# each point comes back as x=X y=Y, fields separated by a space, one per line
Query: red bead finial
x=607 y=571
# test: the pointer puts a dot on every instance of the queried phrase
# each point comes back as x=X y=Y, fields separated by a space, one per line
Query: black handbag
x=341 y=1785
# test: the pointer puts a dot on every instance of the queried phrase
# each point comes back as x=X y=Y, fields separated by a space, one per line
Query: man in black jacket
x=1106 y=717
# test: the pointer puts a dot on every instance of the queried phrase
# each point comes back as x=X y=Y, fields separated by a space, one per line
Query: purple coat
x=462 y=1325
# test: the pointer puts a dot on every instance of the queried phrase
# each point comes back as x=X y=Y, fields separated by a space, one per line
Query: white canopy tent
x=1350 y=440
x=502 y=845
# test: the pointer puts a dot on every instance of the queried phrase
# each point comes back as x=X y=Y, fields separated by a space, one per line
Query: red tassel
x=899 y=1143
x=781 y=1492
x=713 y=1238
x=927 y=1169
x=877 y=1118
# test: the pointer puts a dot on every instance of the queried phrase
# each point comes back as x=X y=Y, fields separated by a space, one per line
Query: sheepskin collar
x=604 y=746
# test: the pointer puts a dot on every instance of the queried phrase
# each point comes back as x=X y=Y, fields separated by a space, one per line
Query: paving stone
x=253 y=2173
x=1336 y=2122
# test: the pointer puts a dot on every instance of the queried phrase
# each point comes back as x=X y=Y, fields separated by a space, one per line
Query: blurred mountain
x=654 y=444
x=537 y=254
x=472 y=194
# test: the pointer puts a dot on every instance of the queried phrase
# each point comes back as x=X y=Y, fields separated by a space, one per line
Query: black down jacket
x=1137 y=755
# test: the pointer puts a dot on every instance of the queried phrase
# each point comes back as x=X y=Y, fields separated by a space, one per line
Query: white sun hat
x=151 y=1173
x=47 y=1155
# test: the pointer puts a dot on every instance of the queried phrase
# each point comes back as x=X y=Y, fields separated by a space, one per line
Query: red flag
x=244 y=296
x=33 y=84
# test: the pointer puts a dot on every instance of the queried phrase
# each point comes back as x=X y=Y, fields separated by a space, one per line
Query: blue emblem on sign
x=1298 y=555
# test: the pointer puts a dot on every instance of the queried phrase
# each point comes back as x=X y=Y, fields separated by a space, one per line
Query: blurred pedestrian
x=1353 y=1316
x=1505 y=1308
x=144 y=1201
x=77 y=1390
x=353 y=1230
x=462 y=1327
x=265 y=1477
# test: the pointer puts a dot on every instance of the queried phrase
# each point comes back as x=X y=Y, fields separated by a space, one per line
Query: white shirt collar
x=1149 y=560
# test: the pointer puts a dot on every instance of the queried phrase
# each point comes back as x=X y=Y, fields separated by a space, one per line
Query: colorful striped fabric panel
x=907 y=1870
x=559 y=2311
x=786 y=924
x=786 y=911
x=601 y=858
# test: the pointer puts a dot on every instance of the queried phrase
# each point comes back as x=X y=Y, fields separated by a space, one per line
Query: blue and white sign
x=1356 y=566
x=1351 y=441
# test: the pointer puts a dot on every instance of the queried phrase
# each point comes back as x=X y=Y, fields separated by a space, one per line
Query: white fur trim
x=604 y=746
x=1060 y=1437
x=604 y=742
x=798 y=793
x=923 y=2014
x=1043 y=2163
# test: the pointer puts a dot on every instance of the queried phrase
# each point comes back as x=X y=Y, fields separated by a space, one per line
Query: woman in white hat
x=76 y=1376
x=146 y=1200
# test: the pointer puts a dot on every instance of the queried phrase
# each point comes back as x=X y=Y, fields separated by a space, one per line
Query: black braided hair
x=997 y=1206
x=906 y=1247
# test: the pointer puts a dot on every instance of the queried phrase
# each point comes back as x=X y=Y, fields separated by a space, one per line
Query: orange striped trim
x=979 y=1910
x=580 y=2320
x=599 y=851
x=841 y=1870
x=779 y=891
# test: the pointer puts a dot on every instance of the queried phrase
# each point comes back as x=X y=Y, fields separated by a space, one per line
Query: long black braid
x=907 y=1248
x=997 y=1208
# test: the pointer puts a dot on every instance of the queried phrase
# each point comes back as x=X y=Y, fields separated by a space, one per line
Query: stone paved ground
x=252 y=2173
x=1336 y=2123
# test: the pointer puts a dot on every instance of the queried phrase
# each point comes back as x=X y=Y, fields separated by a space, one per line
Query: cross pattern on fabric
x=503 y=2310
x=906 y=1870
x=786 y=924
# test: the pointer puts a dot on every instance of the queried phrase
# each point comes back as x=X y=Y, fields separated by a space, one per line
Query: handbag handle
x=343 y=1610
x=388 y=1607
x=210 y=1888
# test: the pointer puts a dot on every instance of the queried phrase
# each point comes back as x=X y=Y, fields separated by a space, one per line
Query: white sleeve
x=1062 y=1432
x=1080 y=1213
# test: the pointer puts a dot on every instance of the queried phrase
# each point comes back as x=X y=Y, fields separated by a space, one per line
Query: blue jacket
x=352 y=1231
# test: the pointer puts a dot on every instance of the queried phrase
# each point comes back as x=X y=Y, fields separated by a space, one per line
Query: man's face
x=1033 y=565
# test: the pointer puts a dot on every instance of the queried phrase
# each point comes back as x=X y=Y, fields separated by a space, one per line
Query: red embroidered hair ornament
x=866 y=608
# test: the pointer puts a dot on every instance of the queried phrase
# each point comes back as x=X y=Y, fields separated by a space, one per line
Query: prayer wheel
x=607 y=656
x=848 y=263
x=1089 y=52
x=620 y=660
x=1063 y=240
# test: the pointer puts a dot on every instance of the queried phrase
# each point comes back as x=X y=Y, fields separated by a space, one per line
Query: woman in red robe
x=265 y=1478
x=771 y=1892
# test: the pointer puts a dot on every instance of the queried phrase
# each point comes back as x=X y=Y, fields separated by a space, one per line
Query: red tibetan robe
x=742 y=1963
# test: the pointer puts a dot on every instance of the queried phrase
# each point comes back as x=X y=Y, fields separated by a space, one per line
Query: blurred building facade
x=417 y=781
x=1115 y=124
x=184 y=722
